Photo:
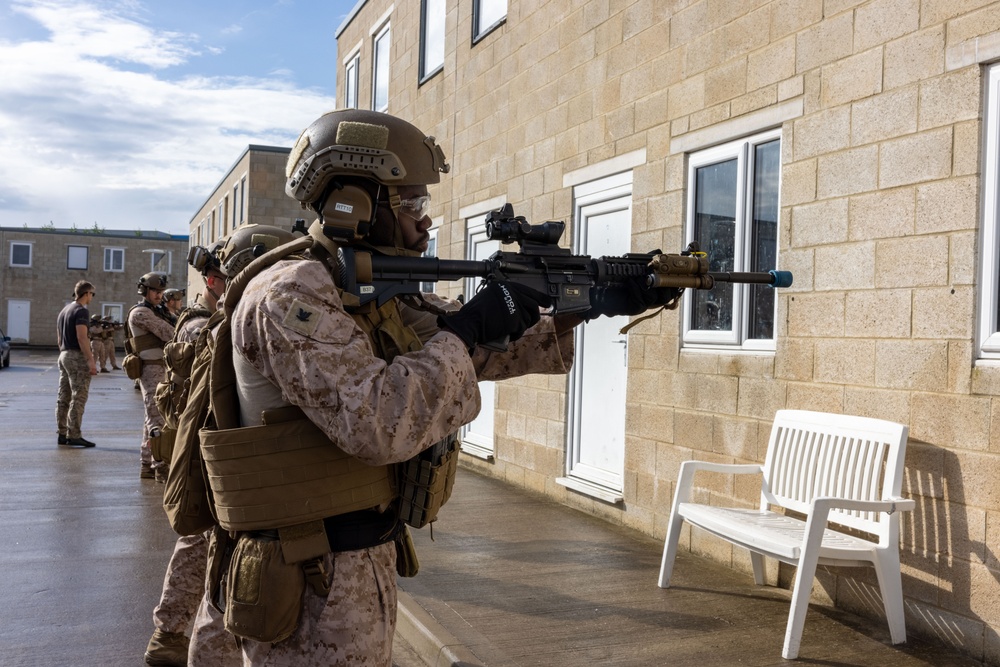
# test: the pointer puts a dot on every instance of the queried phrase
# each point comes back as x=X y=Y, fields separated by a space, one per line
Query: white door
x=596 y=433
x=477 y=436
x=18 y=320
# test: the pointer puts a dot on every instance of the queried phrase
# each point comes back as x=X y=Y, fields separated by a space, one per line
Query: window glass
x=380 y=81
x=76 y=257
x=432 y=38
x=733 y=217
x=351 y=83
x=487 y=14
x=114 y=259
x=20 y=254
x=431 y=251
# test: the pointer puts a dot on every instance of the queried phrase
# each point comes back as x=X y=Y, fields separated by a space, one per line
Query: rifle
x=540 y=264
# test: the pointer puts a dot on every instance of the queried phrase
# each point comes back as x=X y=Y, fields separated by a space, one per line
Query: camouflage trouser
x=109 y=352
x=97 y=347
x=353 y=625
x=151 y=376
x=183 y=584
x=211 y=644
x=74 y=388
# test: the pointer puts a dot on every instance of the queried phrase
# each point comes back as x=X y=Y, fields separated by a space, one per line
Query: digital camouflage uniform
x=109 y=346
x=184 y=582
x=290 y=327
x=74 y=379
x=143 y=320
x=96 y=333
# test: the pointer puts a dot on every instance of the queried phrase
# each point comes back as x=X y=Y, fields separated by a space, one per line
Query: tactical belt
x=355 y=530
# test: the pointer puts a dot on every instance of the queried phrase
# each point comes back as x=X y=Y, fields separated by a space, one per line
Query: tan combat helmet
x=247 y=243
x=362 y=144
x=150 y=281
x=173 y=294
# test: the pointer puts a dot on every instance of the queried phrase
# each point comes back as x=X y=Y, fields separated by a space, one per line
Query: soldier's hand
x=498 y=312
x=632 y=297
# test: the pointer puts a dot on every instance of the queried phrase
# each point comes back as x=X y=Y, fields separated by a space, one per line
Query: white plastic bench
x=840 y=472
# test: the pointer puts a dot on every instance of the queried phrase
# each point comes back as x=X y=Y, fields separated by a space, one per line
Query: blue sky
x=125 y=114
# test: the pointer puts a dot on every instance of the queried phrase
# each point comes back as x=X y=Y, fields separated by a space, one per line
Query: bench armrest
x=685 y=478
x=826 y=503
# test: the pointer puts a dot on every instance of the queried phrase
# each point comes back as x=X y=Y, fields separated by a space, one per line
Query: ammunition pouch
x=266 y=477
x=132 y=365
x=263 y=595
x=163 y=444
x=426 y=480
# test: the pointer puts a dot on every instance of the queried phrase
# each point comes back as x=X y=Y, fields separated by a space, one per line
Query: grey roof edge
x=107 y=233
x=350 y=17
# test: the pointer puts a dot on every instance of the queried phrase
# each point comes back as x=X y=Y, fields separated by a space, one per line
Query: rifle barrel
x=772 y=278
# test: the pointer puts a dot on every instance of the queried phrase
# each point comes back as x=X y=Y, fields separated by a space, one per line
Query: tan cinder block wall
x=48 y=284
x=880 y=106
x=267 y=203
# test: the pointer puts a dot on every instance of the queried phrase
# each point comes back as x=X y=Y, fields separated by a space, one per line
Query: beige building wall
x=880 y=107
x=253 y=189
x=47 y=285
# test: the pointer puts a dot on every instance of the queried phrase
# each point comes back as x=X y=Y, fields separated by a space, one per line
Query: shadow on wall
x=951 y=573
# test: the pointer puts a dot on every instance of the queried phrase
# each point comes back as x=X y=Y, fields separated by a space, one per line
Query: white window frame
x=487 y=16
x=244 y=199
x=432 y=36
x=987 y=327
x=31 y=254
x=380 y=66
x=236 y=198
x=109 y=263
x=69 y=257
x=742 y=151
x=167 y=254
x=352 y=69
x=432 y=251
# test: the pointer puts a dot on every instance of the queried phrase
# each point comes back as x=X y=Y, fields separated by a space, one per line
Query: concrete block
x=947 y=206
x=816 y=315
x=972 y=476
x=791 y=16
x=878 y=314
x=882 y=21
x=974 y=24
x=844 y=267
x=819 y=397
x=823 y=132
x=820 y=223
x=794 y=359
x=944 y=312
x=950 y=98
x=882 y=214
x=878 y=403
x=760 y=398
x=828 y=41
x=771 y=64
x=847 y=172
x=913 y=159
x=966 y=149
x=886 y=116
x=915 y=57
x=790 y=88
x=916 y=365
x=735 y=437
x=854 y=78
x=798 y=182
x=845 y=361
x=912 y=262
x=686 y=97
x=963 y=246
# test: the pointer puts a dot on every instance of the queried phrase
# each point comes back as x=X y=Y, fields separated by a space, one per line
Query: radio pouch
x=263 y=592
x=132 y=365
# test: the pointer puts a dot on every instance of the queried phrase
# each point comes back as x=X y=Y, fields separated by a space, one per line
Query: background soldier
x=109 y=342
x=148 y=330
x=172 y=300
x=76 y=365
x=184 y=582
x=95 y=332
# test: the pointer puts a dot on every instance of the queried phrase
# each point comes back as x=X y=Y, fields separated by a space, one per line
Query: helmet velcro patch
x=365 y=135
x=293 y=158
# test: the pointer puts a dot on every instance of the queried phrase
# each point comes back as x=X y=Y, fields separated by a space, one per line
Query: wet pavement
x=510 y=578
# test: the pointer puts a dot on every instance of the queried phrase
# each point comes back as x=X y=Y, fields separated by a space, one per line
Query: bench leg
x=757 y=561
x=670 y=548
x=891 y=585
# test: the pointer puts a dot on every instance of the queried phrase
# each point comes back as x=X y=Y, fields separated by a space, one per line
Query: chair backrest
x=814 y=454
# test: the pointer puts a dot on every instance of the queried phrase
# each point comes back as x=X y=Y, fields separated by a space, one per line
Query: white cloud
x=92 y=131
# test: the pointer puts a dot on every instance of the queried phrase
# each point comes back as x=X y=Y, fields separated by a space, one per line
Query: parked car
x=4 y=350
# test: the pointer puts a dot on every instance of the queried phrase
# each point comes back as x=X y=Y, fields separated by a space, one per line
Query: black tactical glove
x=631 y=297
x=497 y=312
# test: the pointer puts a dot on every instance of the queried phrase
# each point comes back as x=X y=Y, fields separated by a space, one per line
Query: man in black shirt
x=76 y=365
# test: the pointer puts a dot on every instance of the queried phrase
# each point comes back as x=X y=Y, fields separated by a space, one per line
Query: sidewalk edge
x=432 y=642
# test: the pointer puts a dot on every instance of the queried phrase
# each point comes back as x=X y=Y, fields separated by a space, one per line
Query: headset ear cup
x=347 y=212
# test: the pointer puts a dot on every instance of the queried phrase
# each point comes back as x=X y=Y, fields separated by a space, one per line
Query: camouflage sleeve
x=188 y=333
x=291 y=326
x=146 y=320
